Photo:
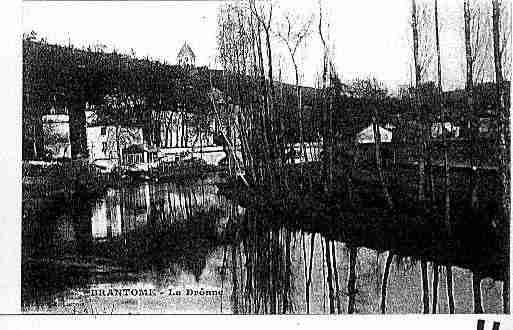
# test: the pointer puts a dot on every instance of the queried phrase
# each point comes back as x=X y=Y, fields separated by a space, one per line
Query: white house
x=451 y=131
x=102 y=139
x=367 y=135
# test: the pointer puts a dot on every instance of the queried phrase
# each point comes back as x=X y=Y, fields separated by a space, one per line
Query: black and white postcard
x=265 y=157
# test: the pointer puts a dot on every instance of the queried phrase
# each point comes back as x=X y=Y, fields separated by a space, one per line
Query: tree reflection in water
x=261 y=268
x=276 y=269
x=166 y=234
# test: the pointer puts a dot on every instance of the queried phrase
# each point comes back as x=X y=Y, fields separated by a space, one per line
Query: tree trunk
x=470 y=98
x=420 y=142
x=447 y=184
x=377 y=145
x=503 y=141
x=421 y=148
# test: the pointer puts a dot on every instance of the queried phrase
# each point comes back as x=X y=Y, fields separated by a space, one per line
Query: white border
x=10 y=237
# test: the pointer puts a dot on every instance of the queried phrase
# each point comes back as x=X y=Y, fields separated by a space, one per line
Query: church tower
x=186 y=56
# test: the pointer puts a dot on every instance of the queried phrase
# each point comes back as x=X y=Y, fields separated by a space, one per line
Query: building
x=366 y=135
x=56 y=136
x=102 y=138
x=98 y=140
x=458 y=120
x=186 y=56
x=366 y=144
x=450 y=130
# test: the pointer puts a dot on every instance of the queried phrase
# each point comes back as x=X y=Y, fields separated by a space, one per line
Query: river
x=162 y=247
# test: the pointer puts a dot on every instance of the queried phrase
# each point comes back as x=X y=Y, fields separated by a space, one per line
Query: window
x=484 y=125
x=450 y=130
x=487 y=127
x=103 y=130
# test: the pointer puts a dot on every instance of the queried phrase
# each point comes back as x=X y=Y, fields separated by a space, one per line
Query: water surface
x=183 y=248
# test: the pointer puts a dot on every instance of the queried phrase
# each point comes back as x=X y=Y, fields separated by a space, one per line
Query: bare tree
x=293 y=32
x=504 y=136
x=447 y=184
x=264 y=15
x=480 y=41
x=425 y=36
x=328 y=76
x=469 y=84
x=421 y=144
x=476 y=279
x=505 y=39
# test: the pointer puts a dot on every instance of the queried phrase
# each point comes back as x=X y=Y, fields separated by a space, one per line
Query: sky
x=370 y=38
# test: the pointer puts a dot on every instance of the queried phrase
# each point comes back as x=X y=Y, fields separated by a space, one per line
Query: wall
x=102 y=141
x=211 y=154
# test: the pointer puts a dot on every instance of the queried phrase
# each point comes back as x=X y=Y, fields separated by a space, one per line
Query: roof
x=91 y=118
x=185 y=51
x=55 y=118
x=367 y=135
